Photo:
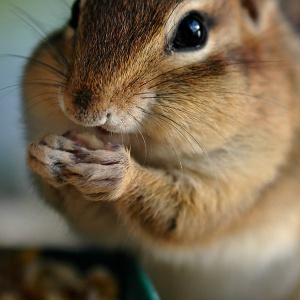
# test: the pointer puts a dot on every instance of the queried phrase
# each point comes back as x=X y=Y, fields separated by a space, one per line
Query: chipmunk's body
x=208 y=190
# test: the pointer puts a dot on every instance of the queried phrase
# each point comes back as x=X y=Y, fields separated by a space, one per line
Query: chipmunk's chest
x=230 y=270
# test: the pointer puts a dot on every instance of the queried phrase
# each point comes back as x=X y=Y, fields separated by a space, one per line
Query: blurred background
x=24 y=219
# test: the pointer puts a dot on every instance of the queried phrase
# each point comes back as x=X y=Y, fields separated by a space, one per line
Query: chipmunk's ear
x=251 y=7
x=257 y=10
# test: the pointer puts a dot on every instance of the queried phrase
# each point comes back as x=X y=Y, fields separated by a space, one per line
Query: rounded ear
x=257 y=10
x=251 y=8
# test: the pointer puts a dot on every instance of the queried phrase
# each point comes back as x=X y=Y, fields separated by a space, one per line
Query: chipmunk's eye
x=191 y=33
x=75 y=14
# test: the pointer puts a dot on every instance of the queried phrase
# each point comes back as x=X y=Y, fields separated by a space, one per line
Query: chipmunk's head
x=160 y=66
x=181 y=71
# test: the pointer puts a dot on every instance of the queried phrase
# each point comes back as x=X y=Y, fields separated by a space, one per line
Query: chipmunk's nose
x=82 y=99
x=82 y=107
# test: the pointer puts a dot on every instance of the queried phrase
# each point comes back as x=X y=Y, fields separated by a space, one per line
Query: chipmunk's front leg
x=159 y=204
x=166 y=207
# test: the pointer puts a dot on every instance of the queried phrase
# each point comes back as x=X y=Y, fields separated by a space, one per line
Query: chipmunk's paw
x=50 y=157
x=102 y=174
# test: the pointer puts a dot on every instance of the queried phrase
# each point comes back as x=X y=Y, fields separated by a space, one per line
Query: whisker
x=55 y=93
x=30 y=83
x=167 y=20
x=175 y=125
x=45 y=81
x=42 y=101
x=52 y=113
x=215 y=91
x=38 y=62
x=183 y=75
x=15 y=87
x=8 y=93
x=171 y=143
x=177 y=154
x=178 y=128
x=202 y=120
x=203 y=104
x=197 y=65
x=59 y=55
x=141 y=134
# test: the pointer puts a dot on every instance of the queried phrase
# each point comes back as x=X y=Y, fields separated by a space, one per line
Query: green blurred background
x=23 y=218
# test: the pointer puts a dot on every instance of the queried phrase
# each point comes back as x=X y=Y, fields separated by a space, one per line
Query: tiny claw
x=111 y=147
x=80 y=154
x=70 y=134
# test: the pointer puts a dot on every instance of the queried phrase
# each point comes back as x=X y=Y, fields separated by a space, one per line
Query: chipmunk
x=172 y=128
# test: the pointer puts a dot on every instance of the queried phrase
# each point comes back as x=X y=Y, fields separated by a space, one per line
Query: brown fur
x=209 y=156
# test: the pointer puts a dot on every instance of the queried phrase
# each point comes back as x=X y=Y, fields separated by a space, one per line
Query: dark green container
x=133 y=281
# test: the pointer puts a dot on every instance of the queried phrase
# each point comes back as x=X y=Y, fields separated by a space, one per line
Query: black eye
x=191 y=33
x=75 y=14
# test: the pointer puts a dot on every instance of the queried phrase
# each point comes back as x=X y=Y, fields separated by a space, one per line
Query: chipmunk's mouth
x=103 y=131
x=107 y=136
